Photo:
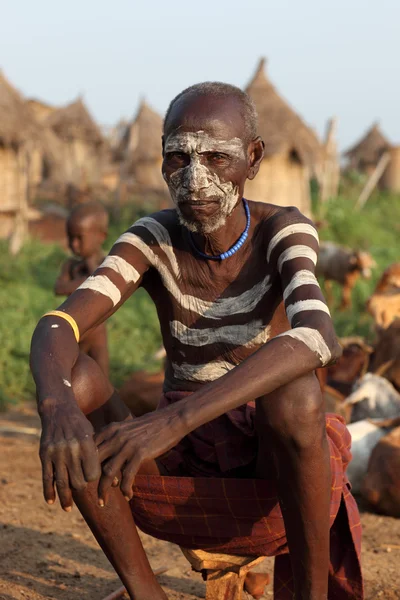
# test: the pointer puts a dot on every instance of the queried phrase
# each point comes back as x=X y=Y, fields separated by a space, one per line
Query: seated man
x=244 y=325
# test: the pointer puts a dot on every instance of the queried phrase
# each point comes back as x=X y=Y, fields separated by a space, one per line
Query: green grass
x=26 y=290
x=26 y=293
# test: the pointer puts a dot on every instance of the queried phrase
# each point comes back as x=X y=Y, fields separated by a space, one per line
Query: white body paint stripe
x=290 y=230
x=300 y=278
x=222 y=307
x=122 y=267
x=312 y=339
x=251 y=334
x=102 y=285
x=303 y=305
x=293 y=252
x=200 y=141
x=207 y=372
x=163 y=238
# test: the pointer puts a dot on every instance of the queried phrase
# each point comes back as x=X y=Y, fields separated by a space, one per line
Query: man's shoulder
x=163 y=219
x=272 y=217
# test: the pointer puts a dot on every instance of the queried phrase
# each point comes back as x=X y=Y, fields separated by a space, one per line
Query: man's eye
x=176 y=156
x=218 y=157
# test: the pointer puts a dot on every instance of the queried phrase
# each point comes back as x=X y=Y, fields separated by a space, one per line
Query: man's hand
x=123 y=447
x=67 y=450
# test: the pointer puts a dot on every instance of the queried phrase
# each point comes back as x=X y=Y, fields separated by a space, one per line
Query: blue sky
x=326 y=58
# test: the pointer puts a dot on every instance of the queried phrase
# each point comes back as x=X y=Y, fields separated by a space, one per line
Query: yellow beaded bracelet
x=66 y=317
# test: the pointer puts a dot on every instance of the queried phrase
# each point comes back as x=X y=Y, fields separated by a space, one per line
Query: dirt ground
x=48 y=554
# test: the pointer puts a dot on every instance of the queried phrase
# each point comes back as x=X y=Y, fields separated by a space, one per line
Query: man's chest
x=233 y=292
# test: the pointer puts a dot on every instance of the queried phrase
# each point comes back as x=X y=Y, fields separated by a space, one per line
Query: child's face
x=84 y=237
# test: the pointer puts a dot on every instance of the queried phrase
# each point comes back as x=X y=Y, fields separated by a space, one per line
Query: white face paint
x=196 y=182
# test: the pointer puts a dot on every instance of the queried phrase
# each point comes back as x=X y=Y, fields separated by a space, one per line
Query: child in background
x=87 y=227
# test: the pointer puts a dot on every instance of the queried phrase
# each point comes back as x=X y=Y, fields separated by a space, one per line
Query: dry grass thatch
x=142 y=140
x=369 y=149
x=39 y=109
x=75 y=122
x=279 y=126
x=17 y=124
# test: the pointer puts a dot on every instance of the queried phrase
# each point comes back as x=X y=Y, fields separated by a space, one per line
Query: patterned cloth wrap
x=203 y=504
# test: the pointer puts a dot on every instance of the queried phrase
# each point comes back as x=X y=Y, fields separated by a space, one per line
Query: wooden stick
x=10 y=428
x=373 y=180
x=329 y=184
x=121 y=591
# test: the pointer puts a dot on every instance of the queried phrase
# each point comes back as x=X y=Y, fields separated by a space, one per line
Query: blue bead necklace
x=233 y=249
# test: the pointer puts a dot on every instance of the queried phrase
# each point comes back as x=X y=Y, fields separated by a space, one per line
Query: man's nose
x=197 y=176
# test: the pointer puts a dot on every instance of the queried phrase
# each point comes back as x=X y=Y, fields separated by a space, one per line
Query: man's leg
x=112 y=525
x=291 y=430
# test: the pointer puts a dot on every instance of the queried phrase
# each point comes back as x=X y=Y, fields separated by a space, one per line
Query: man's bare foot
x=255 y=583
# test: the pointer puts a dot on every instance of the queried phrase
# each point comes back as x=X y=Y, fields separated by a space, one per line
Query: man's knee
x=91 y=387
x=293 y=414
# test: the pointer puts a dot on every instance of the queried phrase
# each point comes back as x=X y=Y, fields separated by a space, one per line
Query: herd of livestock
x=363 y=386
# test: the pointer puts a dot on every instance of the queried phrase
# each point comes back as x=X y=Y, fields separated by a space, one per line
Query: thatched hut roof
x=40 y=110
x=75 y=122
x=370 y=148
x=279 y=125
x=142 y=139
x=17 y=124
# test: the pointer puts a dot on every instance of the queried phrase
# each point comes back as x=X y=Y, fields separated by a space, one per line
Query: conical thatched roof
x=142 y=140
x=279 y=125
x=40 y=110
x=75 y=122
x=17 y=124
x=369 y=149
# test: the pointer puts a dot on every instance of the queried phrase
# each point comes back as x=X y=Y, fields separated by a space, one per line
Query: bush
x=375 y=229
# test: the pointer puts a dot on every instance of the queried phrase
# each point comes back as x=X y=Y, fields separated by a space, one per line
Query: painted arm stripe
x=303 y=277
x=122 y=267
x=298 y=251
x=102 y=285
x=249 y=335
x=303 y=305
x=220 y=308
x=312 y=339
x=163 y=238
x=290 y=230
x=205 y=372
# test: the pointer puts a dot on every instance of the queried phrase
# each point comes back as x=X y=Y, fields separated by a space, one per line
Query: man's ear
x=256 y=155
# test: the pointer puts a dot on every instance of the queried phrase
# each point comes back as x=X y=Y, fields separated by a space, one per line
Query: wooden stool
x=224 y=573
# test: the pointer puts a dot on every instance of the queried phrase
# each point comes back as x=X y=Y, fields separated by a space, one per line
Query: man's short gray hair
x=217 y=88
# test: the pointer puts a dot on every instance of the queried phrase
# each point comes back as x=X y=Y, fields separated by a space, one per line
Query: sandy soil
x=48 y=554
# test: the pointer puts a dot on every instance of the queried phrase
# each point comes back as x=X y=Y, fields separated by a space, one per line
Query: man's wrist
x=187 y=415
x=47 y=403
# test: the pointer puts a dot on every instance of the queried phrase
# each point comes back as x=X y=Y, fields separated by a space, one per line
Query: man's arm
x=310 y=343
x=67 y=437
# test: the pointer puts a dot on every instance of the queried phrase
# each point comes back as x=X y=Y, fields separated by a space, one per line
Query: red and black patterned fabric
x=242 y=516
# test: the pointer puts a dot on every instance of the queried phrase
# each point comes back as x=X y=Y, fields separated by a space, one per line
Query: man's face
x=205 y=160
